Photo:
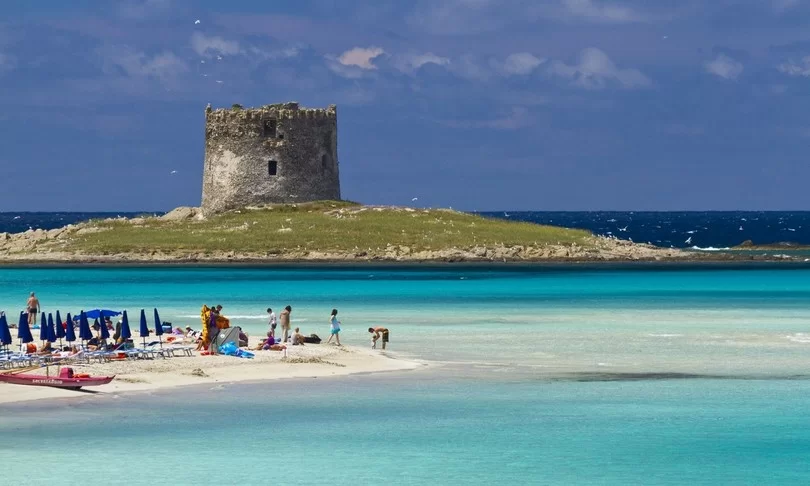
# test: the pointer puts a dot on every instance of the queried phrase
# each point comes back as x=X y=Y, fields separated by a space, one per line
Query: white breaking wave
x=255 y=317
x=709 y=248
x=665 y=335
x=799 y=338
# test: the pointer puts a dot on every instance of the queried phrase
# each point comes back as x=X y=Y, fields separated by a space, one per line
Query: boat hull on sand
x=54 y=381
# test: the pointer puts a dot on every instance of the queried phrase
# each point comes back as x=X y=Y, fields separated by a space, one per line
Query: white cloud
x=595 y=70
x=724 y=67
x=793 y=68
x=587 y=9
x=468 y=67
x=410 y=63
x=520 y=64
x=361 y=57
x=163 y=66
x=212 y=46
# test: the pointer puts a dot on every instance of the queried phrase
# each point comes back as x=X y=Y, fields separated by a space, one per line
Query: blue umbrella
x=84 y=328
x=100 y=313
x=144 y=330
x=126 y=332
x=70 y=333
x=51 y=329
x=60 y=329
x=5 y=332
x=103 y=331
x=158 y=327
x=23 y=331
x=43 y=328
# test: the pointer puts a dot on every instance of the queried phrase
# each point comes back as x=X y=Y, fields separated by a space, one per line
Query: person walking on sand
x=33 y=307
x=377 y=333
x=284 y=317
x=335 y=328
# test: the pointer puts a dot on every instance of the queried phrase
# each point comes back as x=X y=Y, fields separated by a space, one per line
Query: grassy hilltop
x=321 y=226
x=319 y=231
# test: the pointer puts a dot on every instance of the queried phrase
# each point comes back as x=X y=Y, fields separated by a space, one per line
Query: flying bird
x=196 y=21
x=688 y=241
x=219 y=81
x=414 y=199
x=623 y=229
x=219 y=58
x=173 y=172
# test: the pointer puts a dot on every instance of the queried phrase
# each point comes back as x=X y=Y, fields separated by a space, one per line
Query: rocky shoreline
x=49 y=247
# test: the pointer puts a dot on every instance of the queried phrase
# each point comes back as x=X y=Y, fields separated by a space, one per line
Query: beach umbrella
x=70 y=332
x=84 y=328
x=5 y=332
x=60 y=330
x=23 y=331
x=103 y=331
x=144 y=330
x=126 y=332
x=43 y=328
x=158 y=327
x=51 y=329
x=101 y=313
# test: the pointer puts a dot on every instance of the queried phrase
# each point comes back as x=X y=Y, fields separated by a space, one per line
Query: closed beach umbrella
x=70 y=333
x=104 y=332
x=5 y=332
x=51 y=329
x=84 y=328
x=43 y=328
x=60 y=329
x=126 y=333
x=144 y=328
x=158 y=327
x=23 y=331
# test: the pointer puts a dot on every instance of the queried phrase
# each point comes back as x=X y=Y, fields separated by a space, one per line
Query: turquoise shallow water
x=546 y=375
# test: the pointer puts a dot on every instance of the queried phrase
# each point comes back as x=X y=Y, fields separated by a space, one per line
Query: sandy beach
x=309 y=361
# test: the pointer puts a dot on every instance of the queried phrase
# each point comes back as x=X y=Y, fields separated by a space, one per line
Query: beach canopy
x=23 y=331
x=158 y=324
x=84 y=327
x=5 y=332
x=100 y=313
x=70 y=333
x=60 y=329
x=126 y=332
x=43 y=328
x=144 y=327
x=51 y=329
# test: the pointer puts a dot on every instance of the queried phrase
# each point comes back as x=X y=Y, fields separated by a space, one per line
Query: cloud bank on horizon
x=472 y=104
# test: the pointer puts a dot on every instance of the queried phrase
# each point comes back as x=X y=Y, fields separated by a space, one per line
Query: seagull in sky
x=196 y=21
x=688 y=241
x=414 y=199
x=219 y=81
x=219 y=58
x=623 y=229
x=173 y=172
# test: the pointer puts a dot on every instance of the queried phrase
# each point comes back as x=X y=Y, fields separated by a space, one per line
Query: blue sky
x=473 y=104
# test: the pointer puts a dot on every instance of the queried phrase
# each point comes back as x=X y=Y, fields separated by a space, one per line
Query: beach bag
x=312 y=339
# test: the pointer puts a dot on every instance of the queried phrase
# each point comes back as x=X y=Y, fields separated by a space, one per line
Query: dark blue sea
x=711 y=229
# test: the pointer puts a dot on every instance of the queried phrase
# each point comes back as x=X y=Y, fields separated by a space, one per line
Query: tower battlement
x=278 y=153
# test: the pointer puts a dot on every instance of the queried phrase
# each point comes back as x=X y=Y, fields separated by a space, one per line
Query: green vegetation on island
x=320 y=226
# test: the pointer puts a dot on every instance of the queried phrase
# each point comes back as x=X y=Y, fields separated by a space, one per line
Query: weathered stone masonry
x=273 y=154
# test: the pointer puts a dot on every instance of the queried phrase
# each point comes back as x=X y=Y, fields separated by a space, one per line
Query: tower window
x=325 y=162
x=272 y=168
x=269 y=128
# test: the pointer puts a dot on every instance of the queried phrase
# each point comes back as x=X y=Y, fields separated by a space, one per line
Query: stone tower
x=273 y=154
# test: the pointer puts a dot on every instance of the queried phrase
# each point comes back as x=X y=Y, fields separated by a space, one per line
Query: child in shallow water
x=335 y=328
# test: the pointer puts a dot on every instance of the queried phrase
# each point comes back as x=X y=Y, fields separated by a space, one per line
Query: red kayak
x=65 y=379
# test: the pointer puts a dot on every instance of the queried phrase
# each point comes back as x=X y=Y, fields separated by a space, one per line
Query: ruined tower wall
x=273 y=154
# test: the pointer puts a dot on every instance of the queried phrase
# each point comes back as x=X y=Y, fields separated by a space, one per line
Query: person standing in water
x=335 y=328
x=33 y=308
x=272 y=322
x=378 y=332
x=284 y=317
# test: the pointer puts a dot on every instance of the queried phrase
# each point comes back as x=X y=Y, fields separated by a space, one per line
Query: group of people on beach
x=214 y=321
